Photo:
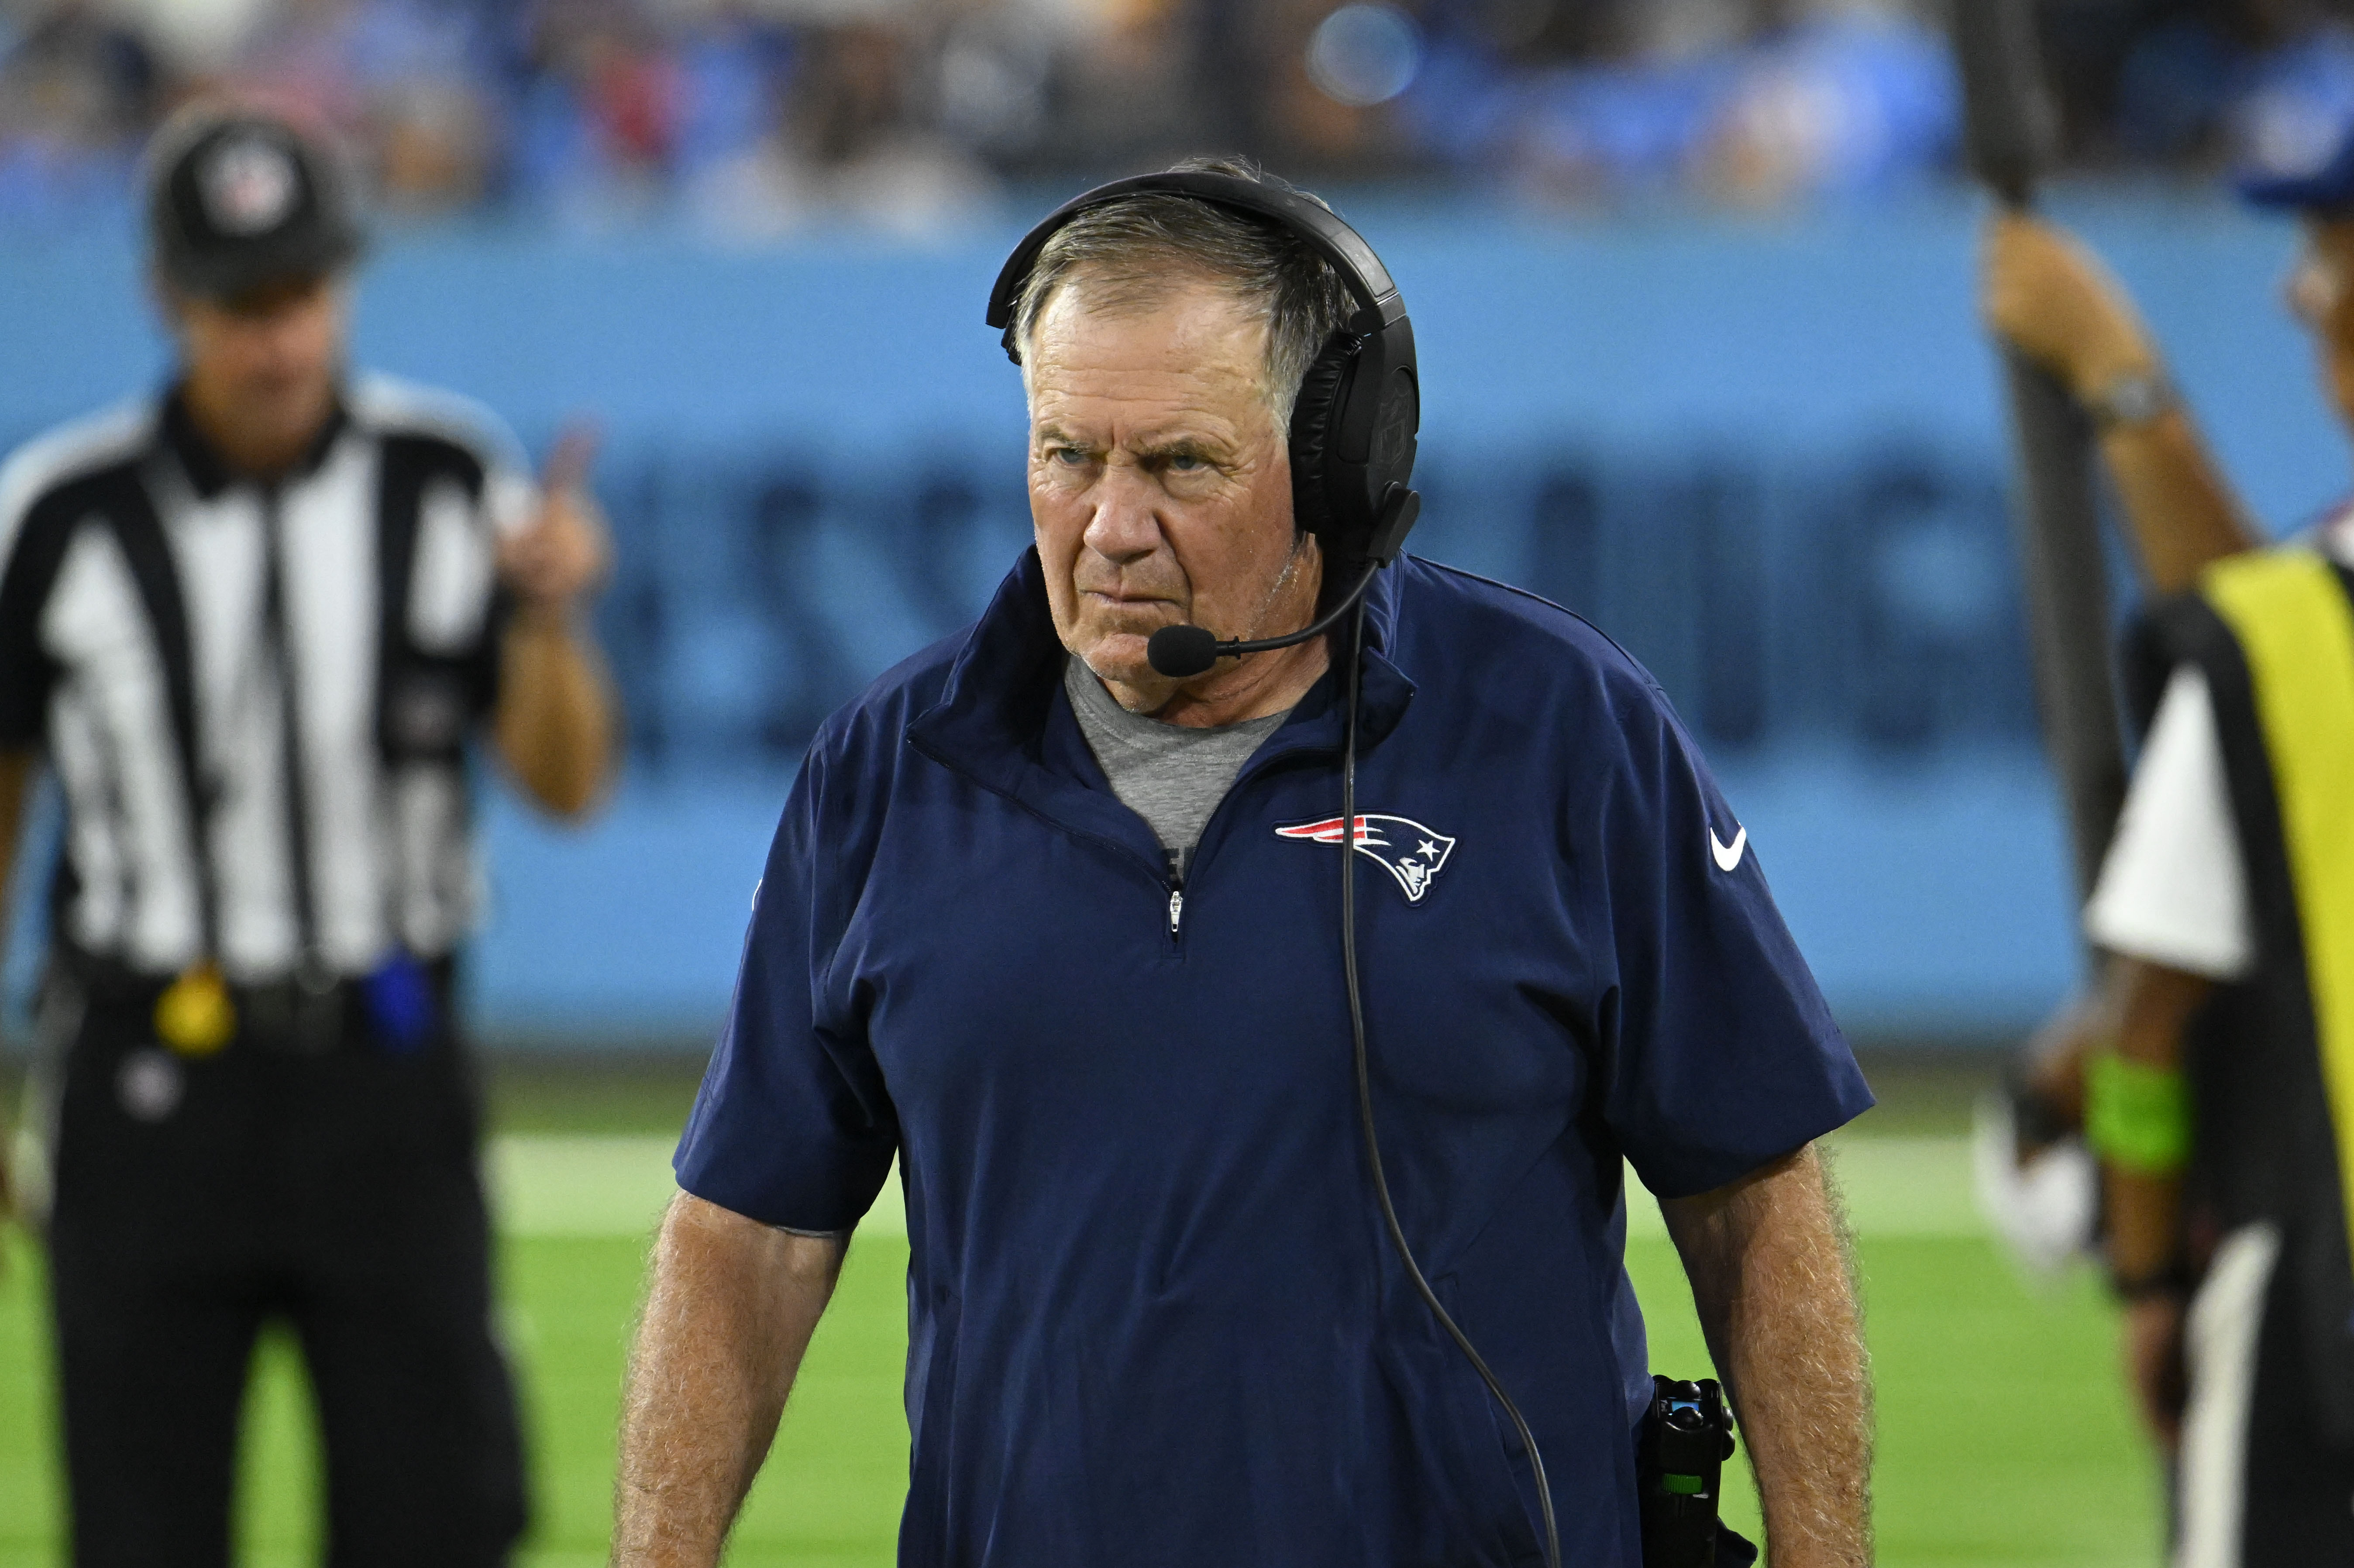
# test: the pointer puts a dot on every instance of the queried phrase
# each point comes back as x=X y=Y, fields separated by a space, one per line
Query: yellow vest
x=2288 y=611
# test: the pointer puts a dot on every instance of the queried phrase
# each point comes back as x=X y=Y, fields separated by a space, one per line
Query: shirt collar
x=990 y=721
x=208 y=472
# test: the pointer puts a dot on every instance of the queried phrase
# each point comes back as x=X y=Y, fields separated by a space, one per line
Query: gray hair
x=1131 y=251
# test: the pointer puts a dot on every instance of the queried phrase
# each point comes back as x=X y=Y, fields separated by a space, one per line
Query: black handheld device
x=1679 y=1466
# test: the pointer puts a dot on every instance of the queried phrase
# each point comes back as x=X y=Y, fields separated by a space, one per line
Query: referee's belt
x=292 y=1016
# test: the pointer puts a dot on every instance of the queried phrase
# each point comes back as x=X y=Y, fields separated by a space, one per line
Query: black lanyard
x=295 y=777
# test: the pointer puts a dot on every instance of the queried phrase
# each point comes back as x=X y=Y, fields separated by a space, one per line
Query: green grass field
x=2004 y=1437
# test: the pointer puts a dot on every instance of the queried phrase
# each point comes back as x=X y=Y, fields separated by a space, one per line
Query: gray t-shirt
x=1170 y=776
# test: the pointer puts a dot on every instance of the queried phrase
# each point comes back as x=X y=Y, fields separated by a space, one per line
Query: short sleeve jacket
x=1154 y=1318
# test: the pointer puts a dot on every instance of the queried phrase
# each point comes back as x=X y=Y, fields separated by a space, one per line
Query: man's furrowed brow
x=1188 y=443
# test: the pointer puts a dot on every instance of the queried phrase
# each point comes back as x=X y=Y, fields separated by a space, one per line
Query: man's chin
x=1120 y=658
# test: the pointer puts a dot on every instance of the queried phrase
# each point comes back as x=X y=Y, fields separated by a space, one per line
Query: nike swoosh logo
x=1728 y=856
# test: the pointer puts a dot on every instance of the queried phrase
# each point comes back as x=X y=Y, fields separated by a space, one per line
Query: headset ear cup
x=1313 y=425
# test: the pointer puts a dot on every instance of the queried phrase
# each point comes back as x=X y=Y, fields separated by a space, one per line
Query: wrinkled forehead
x=1147 y=318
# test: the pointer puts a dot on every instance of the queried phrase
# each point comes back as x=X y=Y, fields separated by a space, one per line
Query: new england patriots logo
x=1408 y=850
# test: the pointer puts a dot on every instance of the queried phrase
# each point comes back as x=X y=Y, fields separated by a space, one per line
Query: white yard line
x=617 y=1186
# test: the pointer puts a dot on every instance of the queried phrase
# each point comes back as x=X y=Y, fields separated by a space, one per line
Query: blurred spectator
x=1757 y=103
x=1833 y=98
x=851 y=137
x=404 y=80
x=598 y=112
x=77 y=91
x=755 y=117
x=1131 y=95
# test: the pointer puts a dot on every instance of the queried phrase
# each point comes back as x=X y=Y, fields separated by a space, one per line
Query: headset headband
x=1315 y=225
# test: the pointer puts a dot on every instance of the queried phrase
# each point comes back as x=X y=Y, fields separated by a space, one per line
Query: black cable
x=1365 y=1095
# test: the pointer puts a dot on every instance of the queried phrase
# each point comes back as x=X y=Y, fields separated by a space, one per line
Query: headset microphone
x=1182 y=652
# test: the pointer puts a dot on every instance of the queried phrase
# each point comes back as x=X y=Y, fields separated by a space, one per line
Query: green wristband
x=2136 y=1118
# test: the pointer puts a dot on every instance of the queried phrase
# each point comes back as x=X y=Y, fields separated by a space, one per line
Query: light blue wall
x=1798 y=364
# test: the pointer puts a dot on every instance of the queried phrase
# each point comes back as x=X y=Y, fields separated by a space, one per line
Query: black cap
x=238 y=199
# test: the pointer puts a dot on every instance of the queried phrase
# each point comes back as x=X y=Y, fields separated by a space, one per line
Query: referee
x=2218 y=1085
x=252 y=624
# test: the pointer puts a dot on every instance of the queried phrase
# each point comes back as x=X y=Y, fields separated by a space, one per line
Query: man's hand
x=2050 y=298
x=1771 y=1278
x=732 y=1308
x=566 y=550
x=2154 y=1364
x=2052 y=1069
x=555 y=720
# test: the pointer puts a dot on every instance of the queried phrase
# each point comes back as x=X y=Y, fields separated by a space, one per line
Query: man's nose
x=1124 y=525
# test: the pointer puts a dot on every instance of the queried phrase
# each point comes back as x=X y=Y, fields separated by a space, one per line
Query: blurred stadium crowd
x=753 y=117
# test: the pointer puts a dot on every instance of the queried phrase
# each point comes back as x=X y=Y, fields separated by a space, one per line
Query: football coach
x=1260 y=1034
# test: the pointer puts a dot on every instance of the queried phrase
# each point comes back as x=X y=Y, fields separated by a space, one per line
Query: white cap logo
x=248 y=186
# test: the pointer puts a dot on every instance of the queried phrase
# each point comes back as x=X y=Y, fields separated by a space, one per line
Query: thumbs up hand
x=564 y=550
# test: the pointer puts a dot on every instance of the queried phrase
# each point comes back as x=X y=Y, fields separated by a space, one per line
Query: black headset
x=1354 y=423
x=1353 y=443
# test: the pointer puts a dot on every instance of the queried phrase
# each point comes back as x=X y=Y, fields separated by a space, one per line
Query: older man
x=1058 y=931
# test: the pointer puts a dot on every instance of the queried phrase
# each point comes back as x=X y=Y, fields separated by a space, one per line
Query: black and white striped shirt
x=155 y=645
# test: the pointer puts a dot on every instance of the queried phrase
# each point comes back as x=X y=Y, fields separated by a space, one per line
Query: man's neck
x=244 y=450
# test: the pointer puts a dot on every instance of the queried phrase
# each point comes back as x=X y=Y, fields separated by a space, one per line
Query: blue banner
x=1767 y=457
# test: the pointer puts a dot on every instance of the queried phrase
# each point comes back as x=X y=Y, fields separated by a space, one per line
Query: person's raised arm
x=1771 y=1278
x=2048 y=297
x=731 y=1311
x=554 y=722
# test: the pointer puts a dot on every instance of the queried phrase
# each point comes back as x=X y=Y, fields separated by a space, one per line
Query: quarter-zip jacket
x=1153 y=1317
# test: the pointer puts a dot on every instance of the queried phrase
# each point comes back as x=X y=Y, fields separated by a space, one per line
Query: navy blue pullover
x=1153 y=1317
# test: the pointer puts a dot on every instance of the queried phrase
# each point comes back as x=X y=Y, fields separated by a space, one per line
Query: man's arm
x=555 y=720
x=2153 y=1006
x=2048 y=298
x=1770 y=1274
x=732 y=1308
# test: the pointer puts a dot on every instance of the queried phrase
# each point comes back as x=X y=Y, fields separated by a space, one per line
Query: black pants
x=337 y=1191
x=2300 y=1478
x=2262 y=1481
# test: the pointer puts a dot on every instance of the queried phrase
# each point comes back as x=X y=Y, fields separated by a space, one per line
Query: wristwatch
x=2131 y=399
